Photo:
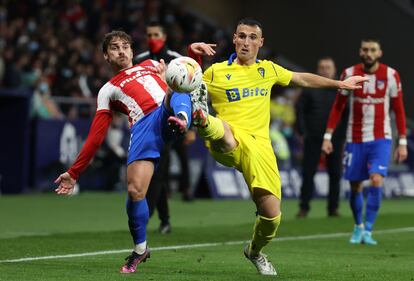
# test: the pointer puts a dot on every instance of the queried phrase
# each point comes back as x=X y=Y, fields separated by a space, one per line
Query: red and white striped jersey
x=135 y=91
x=369 y=117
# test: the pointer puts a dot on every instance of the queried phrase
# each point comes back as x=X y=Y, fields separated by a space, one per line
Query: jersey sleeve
x=344 y=75
x=283 y=76
x=397 y=104
x=194 y=56
x=336 y=110
x=104 y=98
x=339 y=105
x=97 y=133
x=208 y=75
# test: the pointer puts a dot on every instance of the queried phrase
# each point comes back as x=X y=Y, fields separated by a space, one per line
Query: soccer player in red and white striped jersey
x=368 y=148
x=140 y=92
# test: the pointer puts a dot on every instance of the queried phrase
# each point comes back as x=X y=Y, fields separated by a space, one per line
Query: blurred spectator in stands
x=156 y=43
x=313 y=109
x=42 y=106
x=282 y=119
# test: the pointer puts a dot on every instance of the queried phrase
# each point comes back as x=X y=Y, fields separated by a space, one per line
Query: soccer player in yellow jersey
x=238 y=136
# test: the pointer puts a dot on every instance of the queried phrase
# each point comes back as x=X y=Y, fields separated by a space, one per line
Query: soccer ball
x=184 y=75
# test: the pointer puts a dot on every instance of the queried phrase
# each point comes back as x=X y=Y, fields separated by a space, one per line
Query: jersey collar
x=233 y=57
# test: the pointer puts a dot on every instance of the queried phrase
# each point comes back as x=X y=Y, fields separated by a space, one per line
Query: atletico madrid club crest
x=380 y=84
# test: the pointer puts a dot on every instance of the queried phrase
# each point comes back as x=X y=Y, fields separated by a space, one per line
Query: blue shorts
x=366 y=158
x=149 y=135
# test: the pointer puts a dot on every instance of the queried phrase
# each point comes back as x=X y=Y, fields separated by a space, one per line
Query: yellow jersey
x=240 y=95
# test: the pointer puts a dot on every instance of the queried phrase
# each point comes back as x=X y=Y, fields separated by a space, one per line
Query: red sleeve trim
x=336 y=111
x=398 y=108
x=194 y=56
x=97 y=134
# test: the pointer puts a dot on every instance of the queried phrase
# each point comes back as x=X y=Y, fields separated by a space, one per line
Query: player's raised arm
x=202 y=49
x=198 y=49
x=160 y=69
x=310 y=80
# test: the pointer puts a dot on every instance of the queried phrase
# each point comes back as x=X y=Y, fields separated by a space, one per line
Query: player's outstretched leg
x=200 y=106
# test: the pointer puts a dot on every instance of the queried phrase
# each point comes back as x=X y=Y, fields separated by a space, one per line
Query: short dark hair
x=115 y=34
x=250 y=22
x=371 y=40
x=157 y=24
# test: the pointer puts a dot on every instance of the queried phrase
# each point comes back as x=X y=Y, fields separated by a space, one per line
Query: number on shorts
x=347 y=159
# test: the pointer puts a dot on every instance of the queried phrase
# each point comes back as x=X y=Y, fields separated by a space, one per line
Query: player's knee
x=356 y=186
x=376 y=180
x=268 y=205
x=135 y=191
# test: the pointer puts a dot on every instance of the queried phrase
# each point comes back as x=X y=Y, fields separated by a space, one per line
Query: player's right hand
x=66 y=184
x=203 y=49
x=327 y=147
x=353 y=82
x=160 y=69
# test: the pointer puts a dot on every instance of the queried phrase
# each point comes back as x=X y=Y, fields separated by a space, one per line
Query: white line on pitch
x=203 y=245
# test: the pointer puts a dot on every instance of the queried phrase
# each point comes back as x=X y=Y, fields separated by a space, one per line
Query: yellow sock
x=264 y=231
x=213 y=131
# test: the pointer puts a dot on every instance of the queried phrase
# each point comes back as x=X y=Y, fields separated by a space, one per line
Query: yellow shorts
x=255 y=159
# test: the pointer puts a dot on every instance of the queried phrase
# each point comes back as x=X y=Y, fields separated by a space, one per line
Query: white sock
x=140 y=248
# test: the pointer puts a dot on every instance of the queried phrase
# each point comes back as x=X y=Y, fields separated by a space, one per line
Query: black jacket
x=312 y=111
x=166 y=54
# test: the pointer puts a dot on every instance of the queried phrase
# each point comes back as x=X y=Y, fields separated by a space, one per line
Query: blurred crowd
x=53 y=47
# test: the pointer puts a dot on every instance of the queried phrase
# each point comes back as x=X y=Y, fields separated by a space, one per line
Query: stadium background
x=52 y=70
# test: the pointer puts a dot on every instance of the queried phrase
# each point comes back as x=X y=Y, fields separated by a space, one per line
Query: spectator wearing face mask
x=157 y=48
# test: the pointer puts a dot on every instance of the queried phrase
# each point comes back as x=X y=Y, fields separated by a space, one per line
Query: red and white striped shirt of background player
x=369 y=117
x=136 y=92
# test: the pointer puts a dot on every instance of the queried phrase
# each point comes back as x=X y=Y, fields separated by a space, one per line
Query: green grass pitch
x=206 y=242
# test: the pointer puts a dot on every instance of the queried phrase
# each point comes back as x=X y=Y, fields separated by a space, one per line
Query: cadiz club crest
x=261 y=71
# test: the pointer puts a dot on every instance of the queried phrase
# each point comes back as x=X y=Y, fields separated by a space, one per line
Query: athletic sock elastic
x=263 y=232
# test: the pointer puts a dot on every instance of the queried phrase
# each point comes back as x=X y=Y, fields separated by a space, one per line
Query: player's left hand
x=327 y=147
x=161 y=68
x=203 y=49
x=400 y=153
x=66 y=184
x=353 y=82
